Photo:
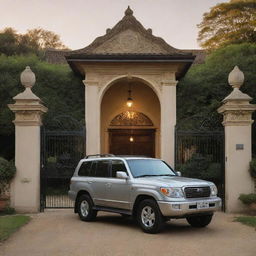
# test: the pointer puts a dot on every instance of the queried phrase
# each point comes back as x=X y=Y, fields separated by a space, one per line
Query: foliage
x=201 y=167
x=9 y=224
x=7 y=211
x=205 y=85
x=56 y=85
x=44 y=39
x=252 y=168
x=247 y=220
x=248 y=198
x=33 y=42
x=7 y=170
x=228 y=23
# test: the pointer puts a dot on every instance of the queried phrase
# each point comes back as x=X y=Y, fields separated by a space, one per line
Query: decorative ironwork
x=199 y=149
x=212 y=122
x=64 y=123
x=61 y=150
x=131 y=118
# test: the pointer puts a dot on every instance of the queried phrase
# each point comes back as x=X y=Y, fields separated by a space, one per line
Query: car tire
x=199 y=221
x=150 y=217
x=85 y=208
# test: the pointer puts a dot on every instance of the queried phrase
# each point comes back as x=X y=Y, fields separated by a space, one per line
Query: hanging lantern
x=129 y=102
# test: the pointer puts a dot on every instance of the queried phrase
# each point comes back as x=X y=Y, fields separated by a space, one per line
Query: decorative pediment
x=128 y=36
x=131 y=118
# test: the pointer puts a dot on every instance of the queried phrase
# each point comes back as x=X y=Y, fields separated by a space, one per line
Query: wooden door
x=142 y=142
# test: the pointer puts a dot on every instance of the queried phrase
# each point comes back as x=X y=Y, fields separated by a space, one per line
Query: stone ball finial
x=128 y=11
x=236 y=77
x=27 y=78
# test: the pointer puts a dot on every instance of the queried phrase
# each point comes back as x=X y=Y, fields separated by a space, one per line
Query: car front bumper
x=187 y=207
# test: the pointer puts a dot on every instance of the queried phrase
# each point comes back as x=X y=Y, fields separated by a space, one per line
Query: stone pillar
x=237 y=121
x=92 y=117
x=168 y=122
x=28 y=109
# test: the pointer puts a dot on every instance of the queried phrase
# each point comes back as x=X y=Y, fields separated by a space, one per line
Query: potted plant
x=7 y=172
x=250 y=200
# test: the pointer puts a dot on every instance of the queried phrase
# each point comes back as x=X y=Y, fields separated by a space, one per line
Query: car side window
x=117 y=166
x=102 y=168
x=85 y=169
x=93 y=169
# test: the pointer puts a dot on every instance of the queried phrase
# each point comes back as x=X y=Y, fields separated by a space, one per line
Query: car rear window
x=85 y=169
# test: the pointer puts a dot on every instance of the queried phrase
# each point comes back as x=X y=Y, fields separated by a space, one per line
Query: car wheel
x=149 y=216
x=199 y=221
x=85 y=208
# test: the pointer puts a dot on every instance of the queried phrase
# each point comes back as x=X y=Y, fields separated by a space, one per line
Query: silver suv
x=147 y=189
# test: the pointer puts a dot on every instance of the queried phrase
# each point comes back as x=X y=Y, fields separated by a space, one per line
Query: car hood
x=174 y=181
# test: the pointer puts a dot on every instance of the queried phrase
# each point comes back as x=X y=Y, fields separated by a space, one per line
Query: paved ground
x=61 y=233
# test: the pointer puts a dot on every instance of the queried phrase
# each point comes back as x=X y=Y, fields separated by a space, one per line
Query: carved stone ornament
x=131 y=118
x=128 y=36
x=27 y=78
x=28 y=108
x=236 y=77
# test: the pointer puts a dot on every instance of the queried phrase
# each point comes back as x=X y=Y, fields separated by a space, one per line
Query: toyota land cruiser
x=147 y=189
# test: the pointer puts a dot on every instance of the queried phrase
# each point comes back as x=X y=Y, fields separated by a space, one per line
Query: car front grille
x=196 y=192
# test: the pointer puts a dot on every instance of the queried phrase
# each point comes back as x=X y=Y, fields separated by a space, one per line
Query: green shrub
x=252 y=168
x=201 y=167
x=7 y=170
x=248 y=198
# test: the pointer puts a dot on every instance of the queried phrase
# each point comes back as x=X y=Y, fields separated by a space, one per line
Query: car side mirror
x=121 y=175
x=179 y=174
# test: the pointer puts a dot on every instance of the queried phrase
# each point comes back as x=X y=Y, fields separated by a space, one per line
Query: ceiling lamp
x=129 y=102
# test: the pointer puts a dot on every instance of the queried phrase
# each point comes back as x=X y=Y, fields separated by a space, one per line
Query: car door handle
x=108 y=185
x=89 y=181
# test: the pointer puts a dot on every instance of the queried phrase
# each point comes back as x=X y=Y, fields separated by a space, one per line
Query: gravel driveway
x=61 y=233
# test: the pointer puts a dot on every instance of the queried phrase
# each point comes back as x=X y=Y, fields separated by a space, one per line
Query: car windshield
x=149 y=167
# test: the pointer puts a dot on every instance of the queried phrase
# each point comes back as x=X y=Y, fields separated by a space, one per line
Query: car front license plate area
x=202 y=205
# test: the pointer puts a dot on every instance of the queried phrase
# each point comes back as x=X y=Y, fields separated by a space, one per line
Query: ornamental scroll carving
x=131 y=118
x=237 y=116
x=129 y=41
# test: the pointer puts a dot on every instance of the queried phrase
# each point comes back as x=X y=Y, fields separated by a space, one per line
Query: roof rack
x=99 y=155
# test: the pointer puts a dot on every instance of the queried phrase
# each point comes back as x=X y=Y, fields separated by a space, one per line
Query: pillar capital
x=28 y=108
x=236 y=108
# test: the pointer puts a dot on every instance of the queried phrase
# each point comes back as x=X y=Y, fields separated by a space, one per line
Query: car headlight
x=172 y=192
x=214 y=190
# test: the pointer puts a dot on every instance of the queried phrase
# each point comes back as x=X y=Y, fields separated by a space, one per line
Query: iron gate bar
x=61 y=150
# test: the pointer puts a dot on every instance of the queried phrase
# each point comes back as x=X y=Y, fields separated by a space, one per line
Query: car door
x=99 y=179
x=118 y=190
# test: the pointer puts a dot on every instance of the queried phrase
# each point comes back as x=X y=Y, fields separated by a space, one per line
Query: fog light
x=176 y=206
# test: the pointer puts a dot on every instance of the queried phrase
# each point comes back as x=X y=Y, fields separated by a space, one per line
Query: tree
x=35 y=41
x=44 y=39
x=228 y=23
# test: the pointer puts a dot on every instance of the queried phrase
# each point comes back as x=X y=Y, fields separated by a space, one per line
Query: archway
x=130 y=130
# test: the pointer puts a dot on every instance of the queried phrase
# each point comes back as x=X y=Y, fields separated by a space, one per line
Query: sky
x=79 y=22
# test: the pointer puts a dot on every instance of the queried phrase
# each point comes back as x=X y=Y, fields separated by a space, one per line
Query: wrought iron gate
x=61 y=150
x=200 y=152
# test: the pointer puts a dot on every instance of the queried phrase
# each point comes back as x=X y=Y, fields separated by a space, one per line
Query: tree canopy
x=34 y=41
x=206 y=85
x=228 y=23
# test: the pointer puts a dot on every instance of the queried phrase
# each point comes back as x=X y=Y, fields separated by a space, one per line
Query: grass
x=9 y=224
x=247 y=220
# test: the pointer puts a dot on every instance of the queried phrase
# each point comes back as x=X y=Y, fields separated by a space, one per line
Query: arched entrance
x=130 y=130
